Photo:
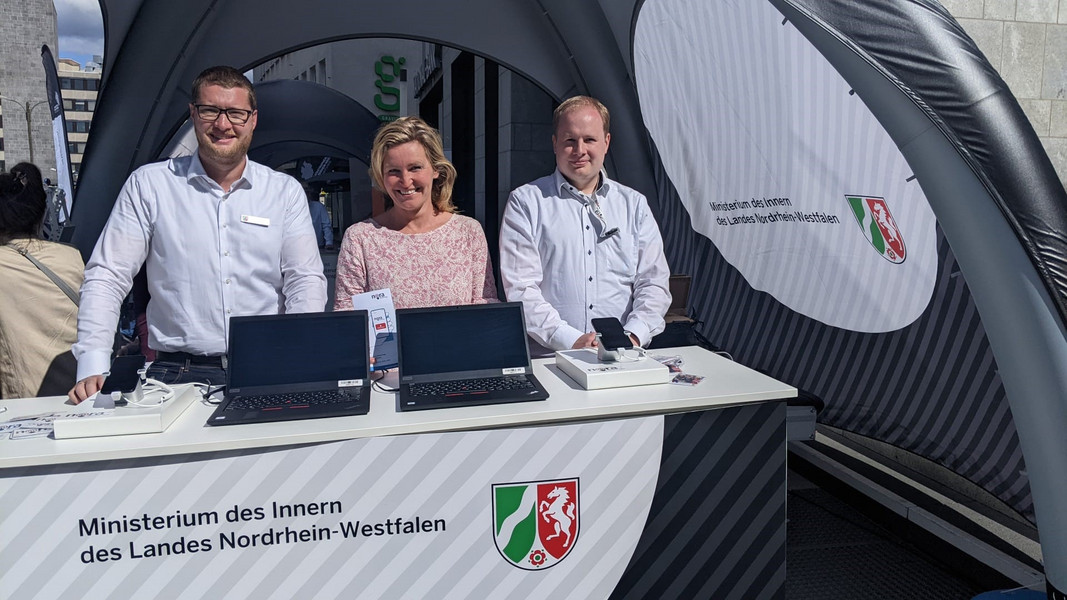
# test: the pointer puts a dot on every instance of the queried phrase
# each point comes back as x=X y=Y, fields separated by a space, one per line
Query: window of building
x=82 y=105
x=77 y=126
x=65 y=83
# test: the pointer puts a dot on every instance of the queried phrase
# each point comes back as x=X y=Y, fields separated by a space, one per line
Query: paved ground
x=834 y=552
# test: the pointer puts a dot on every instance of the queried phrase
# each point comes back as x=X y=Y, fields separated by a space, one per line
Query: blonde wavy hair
x=414 y=129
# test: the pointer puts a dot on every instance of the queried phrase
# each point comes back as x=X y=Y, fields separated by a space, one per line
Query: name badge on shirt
x=254 y=220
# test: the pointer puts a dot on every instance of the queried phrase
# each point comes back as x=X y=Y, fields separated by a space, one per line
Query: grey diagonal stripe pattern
x=717 y=524
x=931 y=388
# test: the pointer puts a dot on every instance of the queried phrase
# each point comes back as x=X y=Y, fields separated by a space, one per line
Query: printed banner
x=59 y=131
x=418 y=516
x=796 y=183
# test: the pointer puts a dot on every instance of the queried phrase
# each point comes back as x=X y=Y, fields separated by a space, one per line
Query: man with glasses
x=219 y=235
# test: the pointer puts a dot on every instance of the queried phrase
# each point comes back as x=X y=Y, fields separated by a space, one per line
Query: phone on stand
x=124 y=377
x=611 y=338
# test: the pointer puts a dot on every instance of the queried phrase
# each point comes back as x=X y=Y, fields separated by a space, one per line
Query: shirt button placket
x=224 y=263
x=590 y=262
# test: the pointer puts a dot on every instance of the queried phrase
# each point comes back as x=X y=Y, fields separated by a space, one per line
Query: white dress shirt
x=209 y=255
x=570 y=258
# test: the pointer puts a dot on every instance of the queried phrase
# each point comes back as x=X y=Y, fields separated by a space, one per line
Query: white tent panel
x=788 y=145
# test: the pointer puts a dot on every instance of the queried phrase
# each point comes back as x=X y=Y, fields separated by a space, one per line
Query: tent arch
x=142 y=103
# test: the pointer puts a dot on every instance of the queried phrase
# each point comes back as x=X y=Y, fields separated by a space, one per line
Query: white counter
x=725 y=384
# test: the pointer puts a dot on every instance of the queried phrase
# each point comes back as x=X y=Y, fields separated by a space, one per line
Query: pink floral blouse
x=447 y=266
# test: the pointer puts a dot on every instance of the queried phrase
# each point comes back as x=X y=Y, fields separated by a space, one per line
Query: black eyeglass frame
x=243 y=114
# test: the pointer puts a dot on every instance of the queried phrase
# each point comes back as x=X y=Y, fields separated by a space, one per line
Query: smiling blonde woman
x=420 y=248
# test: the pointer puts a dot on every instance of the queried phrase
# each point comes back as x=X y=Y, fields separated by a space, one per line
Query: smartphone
x=612 y=335
x=124 y=375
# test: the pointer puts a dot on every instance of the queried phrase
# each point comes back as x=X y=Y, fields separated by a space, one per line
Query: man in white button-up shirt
x=575 y=245
x=219 y=235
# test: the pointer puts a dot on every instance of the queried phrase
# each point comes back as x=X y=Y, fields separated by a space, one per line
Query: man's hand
x=587 y=340
x=637 y=342
x=85 y=388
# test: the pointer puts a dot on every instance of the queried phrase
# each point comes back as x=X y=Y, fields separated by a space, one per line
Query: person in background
x=420 y=249
x=320 y=219
x=38 y=319
x=219 y=235
x=576 y=245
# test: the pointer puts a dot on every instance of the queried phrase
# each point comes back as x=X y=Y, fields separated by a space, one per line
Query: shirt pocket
x=619 y=257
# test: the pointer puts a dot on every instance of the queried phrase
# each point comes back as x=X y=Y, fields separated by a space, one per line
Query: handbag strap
x=62 y=285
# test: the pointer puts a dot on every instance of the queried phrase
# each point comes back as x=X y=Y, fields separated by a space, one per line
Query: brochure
x=382 y=330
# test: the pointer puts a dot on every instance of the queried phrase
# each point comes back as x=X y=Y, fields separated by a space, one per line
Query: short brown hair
x=576 y=102
x=223 y=76
x=414 y=129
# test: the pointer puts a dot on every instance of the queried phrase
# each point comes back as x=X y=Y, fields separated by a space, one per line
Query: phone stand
x=134 y=396
x=606 y=354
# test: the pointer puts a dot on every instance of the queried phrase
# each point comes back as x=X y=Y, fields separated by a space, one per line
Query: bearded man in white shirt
x=219 y=235
x=576 y=245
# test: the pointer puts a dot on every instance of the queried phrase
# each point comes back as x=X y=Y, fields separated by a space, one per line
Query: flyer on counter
x=382 y=329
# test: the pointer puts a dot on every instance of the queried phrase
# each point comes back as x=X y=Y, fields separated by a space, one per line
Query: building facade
x=25 y=124
x=79 y=87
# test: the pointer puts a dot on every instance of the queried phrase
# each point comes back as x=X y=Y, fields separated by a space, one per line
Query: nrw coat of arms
x=872 y=214
x=535 y=524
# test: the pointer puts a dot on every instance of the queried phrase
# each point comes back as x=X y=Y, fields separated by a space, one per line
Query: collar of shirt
x=566 y=190
x=197 y=171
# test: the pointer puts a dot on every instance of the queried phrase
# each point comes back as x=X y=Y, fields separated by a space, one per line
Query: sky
x=81 y=29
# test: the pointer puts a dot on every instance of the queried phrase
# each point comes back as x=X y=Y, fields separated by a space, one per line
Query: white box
x=583 y=366
x=127 y=419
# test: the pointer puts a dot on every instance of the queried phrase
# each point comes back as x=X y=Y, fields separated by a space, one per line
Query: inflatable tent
x=864 y=209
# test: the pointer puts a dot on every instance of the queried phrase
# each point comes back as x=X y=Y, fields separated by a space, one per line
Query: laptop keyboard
x=462 y=387
x=291 y=400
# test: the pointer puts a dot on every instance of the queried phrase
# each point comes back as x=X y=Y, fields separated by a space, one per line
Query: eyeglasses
x=237 y=116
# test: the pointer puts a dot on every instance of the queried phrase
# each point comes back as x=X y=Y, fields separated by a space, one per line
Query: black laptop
x=464 y=356
x=300 y=366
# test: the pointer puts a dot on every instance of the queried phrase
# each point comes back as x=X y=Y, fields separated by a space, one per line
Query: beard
x=228 y=154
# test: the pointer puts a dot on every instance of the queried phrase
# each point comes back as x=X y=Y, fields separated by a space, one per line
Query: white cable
x=641 y=353
x=136 y=398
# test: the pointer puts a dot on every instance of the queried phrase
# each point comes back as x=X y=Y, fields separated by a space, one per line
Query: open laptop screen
x=461 y=338
x=297 y=349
